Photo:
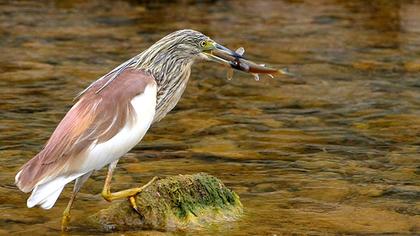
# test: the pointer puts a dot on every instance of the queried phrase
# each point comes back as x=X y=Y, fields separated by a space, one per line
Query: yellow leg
x=128 y=193
x=66 y=213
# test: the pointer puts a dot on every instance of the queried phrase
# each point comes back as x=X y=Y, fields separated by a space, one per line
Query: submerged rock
x=173 y=203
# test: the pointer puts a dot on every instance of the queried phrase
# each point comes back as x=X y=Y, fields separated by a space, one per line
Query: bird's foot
x=132 y=198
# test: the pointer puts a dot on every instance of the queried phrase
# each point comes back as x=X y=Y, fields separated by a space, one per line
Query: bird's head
x=186 y=46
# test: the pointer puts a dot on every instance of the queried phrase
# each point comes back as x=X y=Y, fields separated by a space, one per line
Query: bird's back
x=95 y=119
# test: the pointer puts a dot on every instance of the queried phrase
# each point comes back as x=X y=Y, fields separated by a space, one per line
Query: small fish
x=256 y=69
x=242 y=64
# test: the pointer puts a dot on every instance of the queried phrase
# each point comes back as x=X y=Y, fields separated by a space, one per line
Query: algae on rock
x=174 y=203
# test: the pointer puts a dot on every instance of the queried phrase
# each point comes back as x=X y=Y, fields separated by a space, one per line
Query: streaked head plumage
x=183 y=44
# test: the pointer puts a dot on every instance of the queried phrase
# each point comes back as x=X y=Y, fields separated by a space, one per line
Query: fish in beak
x=236 y=60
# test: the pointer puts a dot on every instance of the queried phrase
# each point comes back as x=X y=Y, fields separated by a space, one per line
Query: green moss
x=174 y=203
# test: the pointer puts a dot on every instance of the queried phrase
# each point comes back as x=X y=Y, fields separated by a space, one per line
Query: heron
x=112 y=115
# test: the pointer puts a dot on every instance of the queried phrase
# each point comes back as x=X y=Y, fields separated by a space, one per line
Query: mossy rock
x=175 y=203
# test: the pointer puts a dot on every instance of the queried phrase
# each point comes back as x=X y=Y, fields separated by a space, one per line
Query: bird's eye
x=203 y=43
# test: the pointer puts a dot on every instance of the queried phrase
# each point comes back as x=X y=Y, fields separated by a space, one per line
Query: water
x=334 y=152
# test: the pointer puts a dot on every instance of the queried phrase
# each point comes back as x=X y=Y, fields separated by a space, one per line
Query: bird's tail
x=45 y=181
x=45 y=189
x=34 y=173
x=46 y=194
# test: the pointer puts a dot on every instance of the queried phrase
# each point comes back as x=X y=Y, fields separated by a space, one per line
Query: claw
x=133 y=203
x=132 y=198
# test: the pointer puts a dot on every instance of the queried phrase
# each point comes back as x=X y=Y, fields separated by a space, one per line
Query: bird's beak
x=218 y=53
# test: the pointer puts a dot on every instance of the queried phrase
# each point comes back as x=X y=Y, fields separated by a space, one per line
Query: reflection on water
x=337 y=152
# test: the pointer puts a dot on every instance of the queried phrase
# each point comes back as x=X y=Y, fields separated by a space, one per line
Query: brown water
x=335 y=152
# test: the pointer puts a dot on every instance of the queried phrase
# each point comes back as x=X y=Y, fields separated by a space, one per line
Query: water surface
x=334 y=152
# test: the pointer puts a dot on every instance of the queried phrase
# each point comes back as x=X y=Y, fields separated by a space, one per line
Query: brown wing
x=95 y=117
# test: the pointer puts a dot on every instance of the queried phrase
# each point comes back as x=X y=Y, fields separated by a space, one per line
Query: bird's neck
x=171 y=72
